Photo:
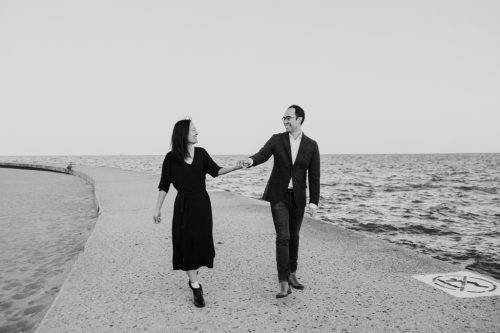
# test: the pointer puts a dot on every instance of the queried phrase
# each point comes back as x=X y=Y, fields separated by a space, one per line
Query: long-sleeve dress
x=192 y=239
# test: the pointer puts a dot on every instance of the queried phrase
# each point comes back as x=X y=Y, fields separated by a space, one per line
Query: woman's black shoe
x=197 y=296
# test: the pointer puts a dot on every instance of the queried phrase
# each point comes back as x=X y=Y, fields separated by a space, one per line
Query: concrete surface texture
x=123 y=281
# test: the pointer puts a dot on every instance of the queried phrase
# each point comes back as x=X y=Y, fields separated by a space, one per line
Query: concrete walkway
x=123 y=282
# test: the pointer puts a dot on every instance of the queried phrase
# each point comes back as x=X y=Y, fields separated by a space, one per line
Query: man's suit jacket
x=307 y=161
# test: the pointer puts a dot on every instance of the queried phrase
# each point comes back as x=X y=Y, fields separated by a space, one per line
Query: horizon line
x=239 y=154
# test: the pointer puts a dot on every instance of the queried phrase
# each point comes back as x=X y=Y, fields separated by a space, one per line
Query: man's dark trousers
x=287 y=219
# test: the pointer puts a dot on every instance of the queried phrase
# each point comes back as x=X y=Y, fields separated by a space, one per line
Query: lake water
x=444 y=205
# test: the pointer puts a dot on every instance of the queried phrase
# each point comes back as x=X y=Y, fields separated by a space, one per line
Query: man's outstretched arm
x=262 y=156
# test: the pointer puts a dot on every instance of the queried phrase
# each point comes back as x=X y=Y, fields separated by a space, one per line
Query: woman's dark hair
x=299 y=112
x=179 y=142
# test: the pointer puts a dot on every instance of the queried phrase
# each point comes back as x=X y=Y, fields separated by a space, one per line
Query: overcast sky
x=112 y=77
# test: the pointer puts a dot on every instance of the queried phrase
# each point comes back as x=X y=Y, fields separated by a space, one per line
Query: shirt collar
x=298 y=138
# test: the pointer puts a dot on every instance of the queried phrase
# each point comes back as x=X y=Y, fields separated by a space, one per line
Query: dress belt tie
x=182 y=202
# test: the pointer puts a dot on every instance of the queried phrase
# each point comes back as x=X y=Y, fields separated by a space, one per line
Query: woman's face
x=193 y=134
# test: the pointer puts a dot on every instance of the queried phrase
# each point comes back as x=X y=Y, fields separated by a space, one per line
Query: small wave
x=469 y=216
x=490 y=190
x=329 y=185
x=374 y=227
x=442 y=207
x=359 y=184
x=420 y=229
x=466 y=188
x=411 y=187
x=428 y=216
x=397 y=189
x=486 y=266
x=406 y=243
x=350 y=220
x=436 y=178
x=424 y=186
x=454 y=173
x=466 y=255
x=491 y=234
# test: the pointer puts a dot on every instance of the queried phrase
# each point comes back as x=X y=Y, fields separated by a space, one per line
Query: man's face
x=290 y=120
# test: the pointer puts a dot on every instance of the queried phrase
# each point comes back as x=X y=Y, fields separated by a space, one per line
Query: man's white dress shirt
x=294 y=145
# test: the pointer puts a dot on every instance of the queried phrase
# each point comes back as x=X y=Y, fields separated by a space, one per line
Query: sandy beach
x=45 y=220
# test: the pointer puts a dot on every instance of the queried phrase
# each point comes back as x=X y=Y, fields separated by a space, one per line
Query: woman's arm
x=224 y=170
x=159 y=203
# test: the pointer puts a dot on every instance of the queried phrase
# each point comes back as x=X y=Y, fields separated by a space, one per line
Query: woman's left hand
x=157 y=217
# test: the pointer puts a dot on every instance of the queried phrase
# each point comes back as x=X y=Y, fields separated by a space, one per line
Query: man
x=295 y=154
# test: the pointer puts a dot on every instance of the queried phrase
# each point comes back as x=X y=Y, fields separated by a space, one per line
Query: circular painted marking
x=464 y=283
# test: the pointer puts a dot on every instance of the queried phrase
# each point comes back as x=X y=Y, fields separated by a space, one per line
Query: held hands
x=245 y=163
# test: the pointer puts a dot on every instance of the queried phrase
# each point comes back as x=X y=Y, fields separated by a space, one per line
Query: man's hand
x=157 y=217
x=312 y=209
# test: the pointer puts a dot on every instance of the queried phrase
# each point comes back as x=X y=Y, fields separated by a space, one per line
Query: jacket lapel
x=301 y=147
x=286 y=141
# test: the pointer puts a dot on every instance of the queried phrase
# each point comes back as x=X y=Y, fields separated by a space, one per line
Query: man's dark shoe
x=197 y=296
x=285 y=290
x=292 y=279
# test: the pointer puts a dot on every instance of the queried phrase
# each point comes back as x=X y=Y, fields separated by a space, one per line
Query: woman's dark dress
x=192 y=240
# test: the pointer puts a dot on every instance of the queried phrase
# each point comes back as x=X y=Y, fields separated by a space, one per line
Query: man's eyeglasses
x=287 y=118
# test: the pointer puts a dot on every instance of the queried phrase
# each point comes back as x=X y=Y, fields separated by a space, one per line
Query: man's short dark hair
x=299 y=112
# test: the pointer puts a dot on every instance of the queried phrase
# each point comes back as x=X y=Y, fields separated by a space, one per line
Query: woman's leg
x=196 y=288
x=193 y=276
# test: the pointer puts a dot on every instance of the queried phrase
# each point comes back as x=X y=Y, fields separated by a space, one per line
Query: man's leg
x=296 y=217
x=280 y=214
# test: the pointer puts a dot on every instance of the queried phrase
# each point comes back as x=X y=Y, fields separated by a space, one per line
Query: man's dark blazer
x=307 y=161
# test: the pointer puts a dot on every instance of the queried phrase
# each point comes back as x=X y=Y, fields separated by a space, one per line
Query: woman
x=185 y=167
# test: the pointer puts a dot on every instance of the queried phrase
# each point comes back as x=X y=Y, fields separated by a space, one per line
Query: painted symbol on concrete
x=462 y=284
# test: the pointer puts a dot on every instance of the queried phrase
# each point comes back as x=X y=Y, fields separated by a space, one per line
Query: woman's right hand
x=157 y=216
